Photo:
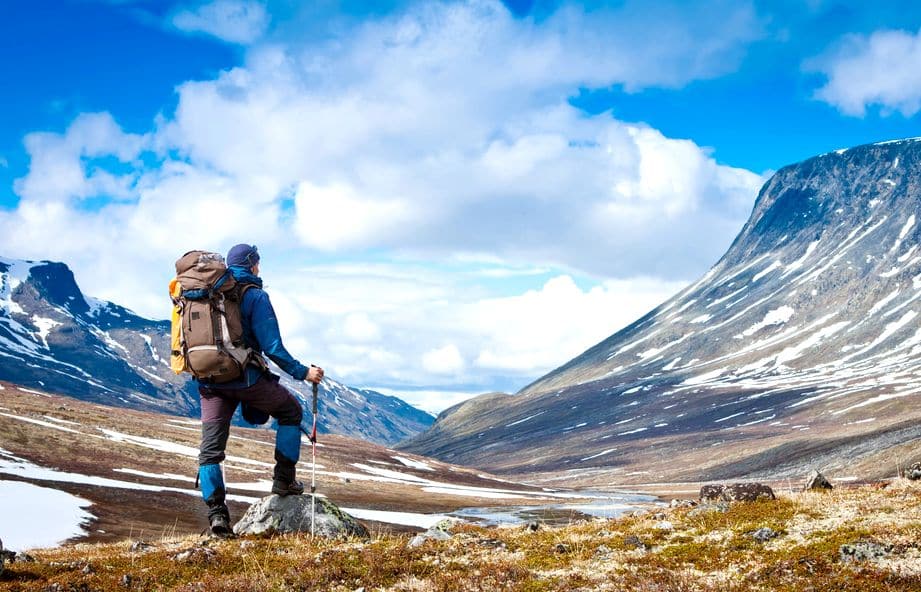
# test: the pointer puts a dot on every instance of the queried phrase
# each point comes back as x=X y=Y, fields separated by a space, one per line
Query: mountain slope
x=800 y=346
x=53 y=337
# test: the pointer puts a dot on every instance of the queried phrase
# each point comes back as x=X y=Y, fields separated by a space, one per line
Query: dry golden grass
x=701 y=551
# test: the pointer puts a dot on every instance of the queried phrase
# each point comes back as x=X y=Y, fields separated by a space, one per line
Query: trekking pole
x=313 y=469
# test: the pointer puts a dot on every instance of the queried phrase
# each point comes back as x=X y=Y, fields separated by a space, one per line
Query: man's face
x=256 y=270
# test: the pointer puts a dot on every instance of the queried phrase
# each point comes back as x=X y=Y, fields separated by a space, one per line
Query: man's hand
x=314 y=374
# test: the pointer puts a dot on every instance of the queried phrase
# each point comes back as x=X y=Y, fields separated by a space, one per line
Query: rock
x=664 y=525
x=659 y=516
x=711 y=493
x=201 y=553
x=763 y=535
x=532 y=526
x=747 y=492
x=816 y=480
x=633 y=541
x=562 y=548
x=913 y=472
x=277 y=515
x=126 y=581
x=863 y=551
x=440 y=531
x=492 y=543
x=88 y=570
x=140 y=547
x=720 y=506
x=677 y=503
x=603 y=552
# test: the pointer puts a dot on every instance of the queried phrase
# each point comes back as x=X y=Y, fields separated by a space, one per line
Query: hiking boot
x=220 y=526
x=293 y=488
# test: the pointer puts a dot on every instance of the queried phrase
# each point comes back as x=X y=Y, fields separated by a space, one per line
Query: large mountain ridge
x=799 y=348
x=54 y=338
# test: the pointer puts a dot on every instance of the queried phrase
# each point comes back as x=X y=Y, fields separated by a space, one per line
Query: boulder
x=913 y=472
x=278 y=515
x=711 y=493
x=747 y=492
x=816 y=480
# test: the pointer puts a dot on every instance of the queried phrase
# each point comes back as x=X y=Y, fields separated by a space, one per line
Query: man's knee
x=290 y=413
x=213 y=442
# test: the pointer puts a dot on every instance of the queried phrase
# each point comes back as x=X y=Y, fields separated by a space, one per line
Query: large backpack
x=207 y=331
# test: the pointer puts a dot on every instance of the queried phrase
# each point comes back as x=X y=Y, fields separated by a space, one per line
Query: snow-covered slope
x=806 y=331
x=54 y=338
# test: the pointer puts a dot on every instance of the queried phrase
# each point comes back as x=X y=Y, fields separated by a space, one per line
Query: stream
x=591 y=504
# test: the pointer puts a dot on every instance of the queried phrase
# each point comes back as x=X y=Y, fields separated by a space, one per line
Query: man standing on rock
x=258 y=390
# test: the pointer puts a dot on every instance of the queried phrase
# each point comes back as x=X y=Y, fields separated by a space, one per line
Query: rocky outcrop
x=913 y=472
x=816 y=480
x=290 y=514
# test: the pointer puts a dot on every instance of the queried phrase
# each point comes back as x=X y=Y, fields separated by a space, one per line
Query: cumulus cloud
x=234 y=21
x=518 y=229
x=882 y=69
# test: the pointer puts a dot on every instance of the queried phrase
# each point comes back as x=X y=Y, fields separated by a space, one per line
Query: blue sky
x=454 y=197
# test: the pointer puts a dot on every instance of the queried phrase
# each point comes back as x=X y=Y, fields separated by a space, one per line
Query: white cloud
x=443 y=360
x=234 y=21
x=882 y=69
x=434 y=160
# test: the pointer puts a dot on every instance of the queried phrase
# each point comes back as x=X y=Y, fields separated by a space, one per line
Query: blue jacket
x=261 y=332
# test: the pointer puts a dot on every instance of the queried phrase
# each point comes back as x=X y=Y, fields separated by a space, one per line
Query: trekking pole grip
x=316 y=389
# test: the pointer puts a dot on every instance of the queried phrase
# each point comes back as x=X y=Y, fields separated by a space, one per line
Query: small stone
x=913 y=472
x=126 y=581
x=140 y=546
x=562 y=548
x=634 y=542
x=429 y=535
x=195 y=553
x=492 y=543
x=532 y=526
x=863 y=551
x=246 y=545
x=664 y=525
x=762 y=535
x=603 y=552
x=659 y=516
x=361 y=589
x=816 y=480
x=676 y=503
x=88 y=570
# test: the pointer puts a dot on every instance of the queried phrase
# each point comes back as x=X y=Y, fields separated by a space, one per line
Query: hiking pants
x=217 y=409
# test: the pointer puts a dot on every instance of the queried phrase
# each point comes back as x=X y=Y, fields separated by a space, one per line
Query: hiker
x=259 y=392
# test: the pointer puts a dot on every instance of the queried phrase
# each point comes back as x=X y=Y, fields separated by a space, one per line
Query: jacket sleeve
x=268 y=335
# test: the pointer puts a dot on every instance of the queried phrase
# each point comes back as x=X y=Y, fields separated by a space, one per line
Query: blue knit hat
x=242 y=255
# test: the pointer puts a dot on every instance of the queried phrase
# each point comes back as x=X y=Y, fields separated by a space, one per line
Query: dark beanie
x=242 y=255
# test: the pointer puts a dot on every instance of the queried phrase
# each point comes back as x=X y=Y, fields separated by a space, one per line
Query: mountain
x=799 y=348
x=54 y=338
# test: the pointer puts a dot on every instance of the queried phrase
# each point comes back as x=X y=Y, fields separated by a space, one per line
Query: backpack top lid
x=203 y=270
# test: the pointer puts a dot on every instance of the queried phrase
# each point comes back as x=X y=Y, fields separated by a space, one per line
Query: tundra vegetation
x=864 y=538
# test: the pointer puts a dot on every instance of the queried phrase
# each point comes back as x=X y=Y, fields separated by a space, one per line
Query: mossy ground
x=685 y=550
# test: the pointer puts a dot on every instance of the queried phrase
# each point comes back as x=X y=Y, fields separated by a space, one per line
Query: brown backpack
x=207 y=331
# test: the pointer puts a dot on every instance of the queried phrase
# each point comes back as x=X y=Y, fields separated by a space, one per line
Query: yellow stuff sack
x=177 y=360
